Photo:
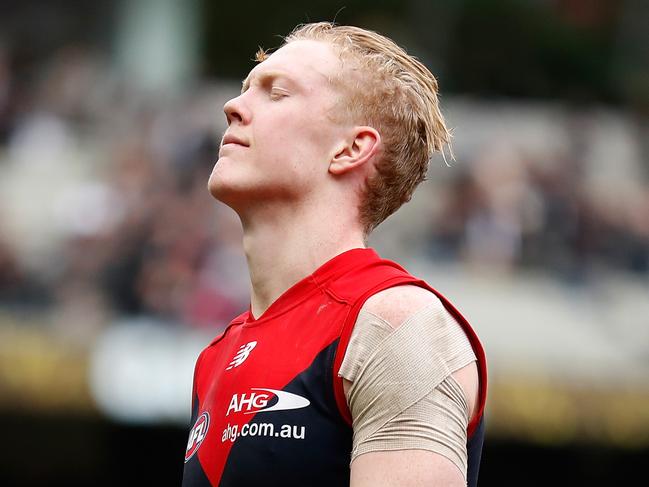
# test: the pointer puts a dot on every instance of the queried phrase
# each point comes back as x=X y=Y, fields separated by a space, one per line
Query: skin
x=300 y=169
x=294 y=184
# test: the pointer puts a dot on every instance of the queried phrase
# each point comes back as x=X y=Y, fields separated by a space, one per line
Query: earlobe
x=356 y=151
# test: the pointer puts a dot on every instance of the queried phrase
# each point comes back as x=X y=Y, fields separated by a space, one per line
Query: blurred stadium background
x=116 y=267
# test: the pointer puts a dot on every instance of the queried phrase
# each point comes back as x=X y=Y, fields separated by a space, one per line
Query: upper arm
x=404 y=468
x=396 y=305
x=410 y=467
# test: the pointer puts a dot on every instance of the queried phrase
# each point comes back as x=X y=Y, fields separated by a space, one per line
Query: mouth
x=229 y=139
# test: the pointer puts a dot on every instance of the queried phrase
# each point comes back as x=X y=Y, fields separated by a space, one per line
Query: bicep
x=404 y=468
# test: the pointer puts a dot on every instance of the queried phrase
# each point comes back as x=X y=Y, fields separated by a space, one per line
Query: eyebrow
x=267 y=76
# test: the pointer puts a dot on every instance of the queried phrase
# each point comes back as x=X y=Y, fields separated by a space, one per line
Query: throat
x=279 y=256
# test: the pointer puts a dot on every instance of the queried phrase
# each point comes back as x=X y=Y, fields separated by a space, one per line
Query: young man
x=346 y=370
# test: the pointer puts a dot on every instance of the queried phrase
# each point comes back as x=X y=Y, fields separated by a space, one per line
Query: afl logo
x=197 y=435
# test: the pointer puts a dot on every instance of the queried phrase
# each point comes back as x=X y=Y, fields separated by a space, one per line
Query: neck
x=282 y=249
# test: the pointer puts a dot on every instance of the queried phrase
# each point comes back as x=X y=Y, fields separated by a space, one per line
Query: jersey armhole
x=197 y=366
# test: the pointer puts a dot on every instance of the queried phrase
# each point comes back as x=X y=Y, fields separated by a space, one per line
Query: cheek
x=304 y=140
x=298 y=141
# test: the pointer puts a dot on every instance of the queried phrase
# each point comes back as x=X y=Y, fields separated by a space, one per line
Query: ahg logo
x=197 y=435
x=256 y=402
x=242 y=355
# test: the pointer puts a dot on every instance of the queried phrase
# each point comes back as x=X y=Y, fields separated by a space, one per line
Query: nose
x=235 y=111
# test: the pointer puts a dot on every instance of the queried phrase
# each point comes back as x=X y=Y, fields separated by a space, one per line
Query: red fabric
x=302 y=322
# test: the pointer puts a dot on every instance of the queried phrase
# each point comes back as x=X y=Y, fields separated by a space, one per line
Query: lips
x=233 y=139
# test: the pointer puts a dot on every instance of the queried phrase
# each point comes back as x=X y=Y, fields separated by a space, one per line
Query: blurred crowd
x=514 y=208
x=104 y=210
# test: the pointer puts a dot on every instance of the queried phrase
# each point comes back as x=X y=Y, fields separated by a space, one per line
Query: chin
x=227 y=191
x=217 y=187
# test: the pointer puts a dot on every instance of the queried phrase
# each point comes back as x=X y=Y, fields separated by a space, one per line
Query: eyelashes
x=278 y=93
x=274 y=92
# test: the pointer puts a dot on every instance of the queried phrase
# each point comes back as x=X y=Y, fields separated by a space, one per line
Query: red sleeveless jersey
x=268 y=405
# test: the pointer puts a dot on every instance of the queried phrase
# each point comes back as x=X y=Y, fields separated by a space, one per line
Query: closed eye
x=278 y=93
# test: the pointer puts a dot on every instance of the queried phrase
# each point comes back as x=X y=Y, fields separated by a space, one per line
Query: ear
x=361 y=146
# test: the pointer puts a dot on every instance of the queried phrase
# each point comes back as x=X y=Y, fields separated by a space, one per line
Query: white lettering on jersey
x=256 y=402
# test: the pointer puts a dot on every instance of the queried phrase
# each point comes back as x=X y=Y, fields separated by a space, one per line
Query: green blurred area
x=576 y=50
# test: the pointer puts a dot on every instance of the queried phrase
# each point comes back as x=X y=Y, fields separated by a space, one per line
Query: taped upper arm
x=395 y=305
x=409 y=466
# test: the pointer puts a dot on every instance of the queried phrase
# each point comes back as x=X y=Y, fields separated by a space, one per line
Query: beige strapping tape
x=402 y=369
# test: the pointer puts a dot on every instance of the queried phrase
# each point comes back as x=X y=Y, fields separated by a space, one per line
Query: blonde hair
x=396 y=94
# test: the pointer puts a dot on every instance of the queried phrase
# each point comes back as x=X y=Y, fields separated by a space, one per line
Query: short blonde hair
x=395 y=93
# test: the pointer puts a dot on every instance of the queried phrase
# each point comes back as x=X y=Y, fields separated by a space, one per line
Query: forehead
x=308 y=62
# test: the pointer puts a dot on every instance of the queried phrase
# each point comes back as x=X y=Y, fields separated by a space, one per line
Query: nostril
x=234 y=110
x=231 y=115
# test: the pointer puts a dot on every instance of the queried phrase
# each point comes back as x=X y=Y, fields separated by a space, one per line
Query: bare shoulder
x=396 y=304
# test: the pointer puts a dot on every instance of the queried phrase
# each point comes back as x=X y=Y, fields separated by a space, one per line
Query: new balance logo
x=242 y=355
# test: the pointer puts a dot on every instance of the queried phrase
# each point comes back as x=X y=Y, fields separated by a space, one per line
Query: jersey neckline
x=294 y=295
